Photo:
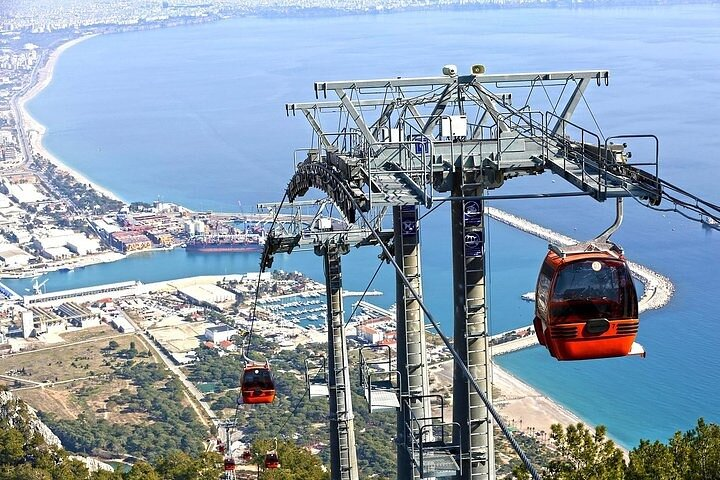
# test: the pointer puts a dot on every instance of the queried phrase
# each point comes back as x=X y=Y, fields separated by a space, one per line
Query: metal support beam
x=491 y=107
x=357 y=118
x=385 y=83
x=318 y=129
x=343 y=456
x=572 y=103
x=471 y=336
x=411 y=352
x=439 y=108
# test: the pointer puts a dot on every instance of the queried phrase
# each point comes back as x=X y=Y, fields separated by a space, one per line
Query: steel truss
x=405 y=142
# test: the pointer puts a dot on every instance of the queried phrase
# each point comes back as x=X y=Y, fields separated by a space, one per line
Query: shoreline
x=36 y=130
x=519 y=400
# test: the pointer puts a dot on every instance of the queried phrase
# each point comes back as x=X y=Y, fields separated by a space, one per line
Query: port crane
x=398 y=144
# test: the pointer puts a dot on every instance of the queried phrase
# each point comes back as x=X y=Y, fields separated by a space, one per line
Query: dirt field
x=182 y=337
x=73 y=378
x=64 y=362
x=88 y=333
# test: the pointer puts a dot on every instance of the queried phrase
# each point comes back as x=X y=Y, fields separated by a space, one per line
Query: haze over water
x=195 y=115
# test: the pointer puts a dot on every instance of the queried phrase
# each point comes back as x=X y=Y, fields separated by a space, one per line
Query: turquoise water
x=195 y=115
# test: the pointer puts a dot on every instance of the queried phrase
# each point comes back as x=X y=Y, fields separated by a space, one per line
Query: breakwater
x=658 y=289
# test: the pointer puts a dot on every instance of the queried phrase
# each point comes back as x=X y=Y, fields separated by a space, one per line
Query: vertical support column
x=343 y=456
x=471 y=336
x=411 y=351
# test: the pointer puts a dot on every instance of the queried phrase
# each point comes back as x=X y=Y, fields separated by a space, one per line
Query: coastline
x=35 y=130
x=526 y=406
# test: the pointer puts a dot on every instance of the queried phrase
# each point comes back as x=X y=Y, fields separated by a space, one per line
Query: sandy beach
x=520 y=405
x=35 y=130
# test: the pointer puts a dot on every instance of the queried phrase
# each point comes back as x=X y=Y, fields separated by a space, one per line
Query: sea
x=195 y=115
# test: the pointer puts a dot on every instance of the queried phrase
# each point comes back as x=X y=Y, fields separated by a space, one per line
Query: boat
x=709 y=222
x=241 y=242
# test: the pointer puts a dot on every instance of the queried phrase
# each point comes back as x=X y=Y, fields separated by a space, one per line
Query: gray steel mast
x=411 y=351
x=299 y=226
x=401 y=148
x=343 y=456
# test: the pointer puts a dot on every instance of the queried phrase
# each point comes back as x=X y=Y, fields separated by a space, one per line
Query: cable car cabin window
x=593 y=289
x=542 y=289
x=258 y=378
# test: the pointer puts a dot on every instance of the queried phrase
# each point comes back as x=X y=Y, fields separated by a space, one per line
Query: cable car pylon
x=452 y=138
x=304 y=225
x=343 y=454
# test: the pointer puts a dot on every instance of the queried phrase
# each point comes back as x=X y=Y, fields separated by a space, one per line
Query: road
x=65 y=345
x=191 y=389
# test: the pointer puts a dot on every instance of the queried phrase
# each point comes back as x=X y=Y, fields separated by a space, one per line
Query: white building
x=369 y=334
x=219 y=333
x=56 y=253
x=5 y=202
x=206 y=294
x=82 y=245
x=12 y=256
x=28 y=323
x=107 y=228
x=122 y=325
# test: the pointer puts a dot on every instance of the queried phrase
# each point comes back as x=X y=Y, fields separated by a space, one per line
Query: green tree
x=142 y=471
x=652 y=461
x=694 y=455
x=181 y=466
x=12 y=444
x=296 y=463
x=584 y=455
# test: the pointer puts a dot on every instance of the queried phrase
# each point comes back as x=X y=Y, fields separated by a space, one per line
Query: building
x=206 y=295
x=24 y=193
x=13 y=257
x=128 y=241
x=219 y=333
x=57 y=253
x=160 y=238
x=78 y=315
x=369 y=334
x=88 y=294
x=45 y=320
x=81 y=245
x=122 y=324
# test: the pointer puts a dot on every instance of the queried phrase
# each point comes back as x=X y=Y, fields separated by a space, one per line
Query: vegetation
x=165 y=422
x=584 y=455
x=82 y=196
x=296 y=463
x=293 y=417
x=25 y=455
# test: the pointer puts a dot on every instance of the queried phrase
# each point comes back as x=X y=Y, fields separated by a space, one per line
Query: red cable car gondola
x=246 y=456
x=257 y=384
x=272 y=460
x=586 y=305
x=229 y=464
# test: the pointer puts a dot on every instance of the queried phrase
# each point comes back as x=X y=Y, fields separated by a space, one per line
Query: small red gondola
x=272 y=460
x=229 y=464
x=257 y=385
x=246 y=456
x=585 y=303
